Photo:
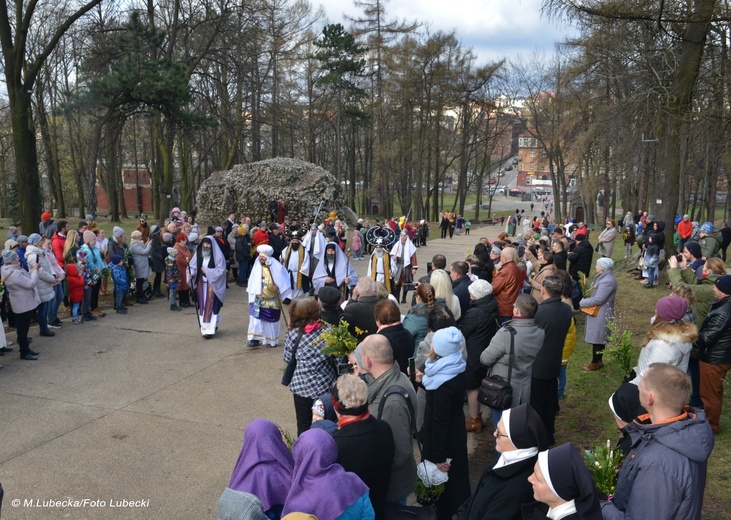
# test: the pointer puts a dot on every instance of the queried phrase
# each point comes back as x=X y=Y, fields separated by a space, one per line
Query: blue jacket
x=94 y=261
x=664 y=475
x=119 y=275
x=361 y=509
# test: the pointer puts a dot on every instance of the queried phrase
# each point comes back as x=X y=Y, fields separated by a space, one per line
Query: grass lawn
x=585 y=418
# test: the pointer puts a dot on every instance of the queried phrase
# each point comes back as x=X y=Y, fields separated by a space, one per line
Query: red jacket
x=685 y=228
x=76 y=283
x=57 y=243
x=506 y=287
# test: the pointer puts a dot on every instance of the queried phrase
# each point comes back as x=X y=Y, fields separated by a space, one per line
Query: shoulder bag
x=495 y=391
x=292 y=365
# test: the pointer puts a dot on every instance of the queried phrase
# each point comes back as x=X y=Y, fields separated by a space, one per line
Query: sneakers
x=175 y=308
x=29 y=357
x=77 y=320
x=47 y=333
x=55 y=324
x=121 y=310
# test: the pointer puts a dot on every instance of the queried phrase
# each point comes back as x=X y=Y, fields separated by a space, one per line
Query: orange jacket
x=685 y=228
x=506 y=287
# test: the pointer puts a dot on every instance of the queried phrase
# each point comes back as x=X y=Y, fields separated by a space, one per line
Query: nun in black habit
x=504 y=486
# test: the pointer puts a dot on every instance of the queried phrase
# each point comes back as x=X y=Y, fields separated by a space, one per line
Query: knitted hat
x=9 y=256
x=89 y=216
x=671 y=308
x=175 y=210
x=480 y=289
x=172 y=252
x=46 y=216
x=89 y=236
x=115 y=259
x=219 y=229
x=686 y=217
x=723 y=283
x=265 y=249
x=650 y=218
x=192 y=238
x=707 y=228
x=117 y=232
x=496 y=250
x=10 y=244
x=694 y=248
x=329 y=295
x=525 y=428
x=155 y=230
x=447 y=341
x=167 y=237
x=22 y=238
x=34 y=238
x=606 y=264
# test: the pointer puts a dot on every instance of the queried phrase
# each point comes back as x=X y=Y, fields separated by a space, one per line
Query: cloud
x=493 y=28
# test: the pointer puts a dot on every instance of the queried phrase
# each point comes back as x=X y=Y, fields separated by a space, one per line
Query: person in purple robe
x=264 y=469
x=320 y=486
x=207 y=275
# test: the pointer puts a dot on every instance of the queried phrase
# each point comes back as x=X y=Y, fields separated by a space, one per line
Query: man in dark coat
x=460 y=282
x=365 y=444
x=581 y=257
x=554 y=317
x=277 y=240
x=362 y=305
x=388 y=319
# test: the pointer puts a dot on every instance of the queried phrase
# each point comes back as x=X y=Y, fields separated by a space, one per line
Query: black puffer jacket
x=714 y=336
x=158 y=254
x=479 y=325
x=580 y=259
x=656 y=239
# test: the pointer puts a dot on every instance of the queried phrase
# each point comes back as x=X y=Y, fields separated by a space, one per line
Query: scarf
x=511 y=457
x=437 y=372
x=350 y=419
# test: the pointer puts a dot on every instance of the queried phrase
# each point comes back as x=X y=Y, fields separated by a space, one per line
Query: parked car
x=508 y=168
x=515 y=161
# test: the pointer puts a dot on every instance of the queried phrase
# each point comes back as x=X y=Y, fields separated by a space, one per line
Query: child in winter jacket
x=82 y=265
x=172 y=277
x=75 y=281
x=357 y=245
x=121 y=282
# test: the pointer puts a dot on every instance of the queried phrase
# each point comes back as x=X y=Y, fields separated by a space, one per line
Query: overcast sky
x=495 y=29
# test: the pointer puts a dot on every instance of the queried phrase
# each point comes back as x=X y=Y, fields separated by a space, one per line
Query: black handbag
x=495 y=391
x=292 y=365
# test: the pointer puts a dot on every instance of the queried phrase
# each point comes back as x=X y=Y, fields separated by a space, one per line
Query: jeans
x=86 y=305
x=55 y=304
x=119 y=298
x=43 y=309
x=75 y=309
x=173 y=292
x=562 y=381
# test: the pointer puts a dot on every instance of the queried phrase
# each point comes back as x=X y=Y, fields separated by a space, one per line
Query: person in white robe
x=314 y=243
x=207 y=277
x=297 y=262
x=335 y=270
x=268 y=287
x=403 y=265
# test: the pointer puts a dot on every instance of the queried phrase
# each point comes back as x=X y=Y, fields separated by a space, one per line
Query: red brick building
x=137 y=188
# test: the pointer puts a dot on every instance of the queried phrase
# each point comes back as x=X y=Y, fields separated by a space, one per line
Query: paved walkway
x=141 y=408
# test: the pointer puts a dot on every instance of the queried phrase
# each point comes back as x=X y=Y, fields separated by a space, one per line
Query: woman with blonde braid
x=417 y=317
x=71 y=246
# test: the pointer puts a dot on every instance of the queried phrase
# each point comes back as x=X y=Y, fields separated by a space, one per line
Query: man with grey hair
x=391 y=393
x=664 y=474
x=362 y=305
x=554 y=317
x=506 y=284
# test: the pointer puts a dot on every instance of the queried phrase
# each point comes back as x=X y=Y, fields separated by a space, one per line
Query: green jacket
x=702 y=290
x=709 y=246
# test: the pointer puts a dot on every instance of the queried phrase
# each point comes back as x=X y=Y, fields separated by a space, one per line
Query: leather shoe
x=48 y=334
x=593 y=366
x=28 y=357
x=6 y=349
x=32 y=352
x=474 y=425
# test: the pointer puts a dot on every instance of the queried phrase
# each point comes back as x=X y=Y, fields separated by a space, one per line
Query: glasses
x=497 y=433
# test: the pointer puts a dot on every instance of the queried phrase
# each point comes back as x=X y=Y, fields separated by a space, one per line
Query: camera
x=409 y=286
x=344 y=368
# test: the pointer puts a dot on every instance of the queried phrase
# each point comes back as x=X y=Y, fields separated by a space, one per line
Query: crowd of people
x=508 y=310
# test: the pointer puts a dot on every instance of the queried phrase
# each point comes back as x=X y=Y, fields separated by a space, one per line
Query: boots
x=474 y=424
x=396 y=291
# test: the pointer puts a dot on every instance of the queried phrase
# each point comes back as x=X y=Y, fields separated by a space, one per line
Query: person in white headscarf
x=297 y=263
x=207 y=275
x=268 y=288
x=314 y=243
x=403 y=264
x=335 y=270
